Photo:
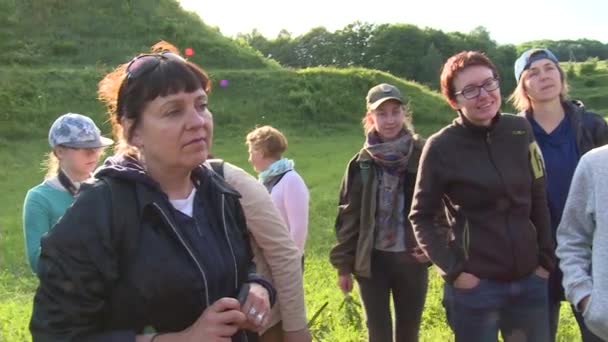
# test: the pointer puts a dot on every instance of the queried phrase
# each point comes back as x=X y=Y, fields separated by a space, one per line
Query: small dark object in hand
x=243 y=293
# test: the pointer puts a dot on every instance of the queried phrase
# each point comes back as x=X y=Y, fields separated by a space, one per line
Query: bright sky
x=509 y=21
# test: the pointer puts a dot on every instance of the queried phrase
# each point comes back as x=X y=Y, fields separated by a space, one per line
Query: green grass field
x=320 y=159
x=319 y=109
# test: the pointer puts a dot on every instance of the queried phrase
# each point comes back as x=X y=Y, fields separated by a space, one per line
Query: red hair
x=456 y=64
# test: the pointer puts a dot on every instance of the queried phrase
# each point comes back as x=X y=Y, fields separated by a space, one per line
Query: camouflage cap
x=76 y=131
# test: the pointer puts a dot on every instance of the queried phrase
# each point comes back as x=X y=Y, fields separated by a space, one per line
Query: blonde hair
x=408 y=124
x=520 y=99
x=51 y=165
x=268 y=140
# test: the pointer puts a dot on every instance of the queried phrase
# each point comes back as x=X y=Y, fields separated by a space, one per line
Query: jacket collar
x=129 y=170
x=462 y=121
x=573 y=110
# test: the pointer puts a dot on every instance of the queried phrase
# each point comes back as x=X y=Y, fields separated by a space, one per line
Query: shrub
x=589 y=66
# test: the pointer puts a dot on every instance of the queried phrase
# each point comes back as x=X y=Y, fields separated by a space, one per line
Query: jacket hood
x=570 y=106
x=575 y=105
x=125 y=168
x=130 y=169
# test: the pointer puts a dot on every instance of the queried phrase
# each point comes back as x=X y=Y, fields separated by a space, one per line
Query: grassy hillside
x=93 y=32
x=589 y=83
x=312 y=99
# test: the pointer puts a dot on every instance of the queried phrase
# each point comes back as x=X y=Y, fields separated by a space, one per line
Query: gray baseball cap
x=382 y=93
x=530 y=56
x=76 y=131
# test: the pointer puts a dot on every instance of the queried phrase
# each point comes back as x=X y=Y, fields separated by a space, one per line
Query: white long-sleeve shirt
x=290 y=195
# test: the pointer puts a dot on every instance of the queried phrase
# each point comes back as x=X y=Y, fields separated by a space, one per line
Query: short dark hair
x=127 y=97
x=456 y=64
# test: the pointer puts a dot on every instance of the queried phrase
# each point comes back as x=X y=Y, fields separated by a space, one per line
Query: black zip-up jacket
x=491 y=181
x=590 y=131
x=117 y=263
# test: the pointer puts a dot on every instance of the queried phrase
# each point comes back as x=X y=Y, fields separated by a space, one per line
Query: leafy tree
x=353 y=41
x=317 y=47
x=406 y=50
x=430 y=67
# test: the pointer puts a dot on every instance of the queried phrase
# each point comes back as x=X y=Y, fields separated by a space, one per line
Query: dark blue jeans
x=393 y=273
x=518 y=309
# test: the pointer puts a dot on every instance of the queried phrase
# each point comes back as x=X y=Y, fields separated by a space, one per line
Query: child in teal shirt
x=76 y=144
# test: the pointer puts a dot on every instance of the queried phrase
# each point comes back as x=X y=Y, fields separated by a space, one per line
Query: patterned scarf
x=392 y=158
x=276 y=169
x=393 y=155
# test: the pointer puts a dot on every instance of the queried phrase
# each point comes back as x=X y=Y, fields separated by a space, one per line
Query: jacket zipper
x=236 y=270
x=533 y=228
x=466 y=237
x=502 y=182
x=200 y=268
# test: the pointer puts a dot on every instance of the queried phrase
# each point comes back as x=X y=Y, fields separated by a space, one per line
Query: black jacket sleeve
x=77 y=267
x=428 y=222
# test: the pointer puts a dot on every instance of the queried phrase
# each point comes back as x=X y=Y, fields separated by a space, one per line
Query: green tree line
x=405 y=50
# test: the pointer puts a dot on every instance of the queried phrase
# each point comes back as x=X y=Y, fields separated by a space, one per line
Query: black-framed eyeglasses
x=473 y=91
x=145 y=63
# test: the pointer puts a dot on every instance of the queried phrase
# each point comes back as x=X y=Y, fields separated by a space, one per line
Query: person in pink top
x=287 y=188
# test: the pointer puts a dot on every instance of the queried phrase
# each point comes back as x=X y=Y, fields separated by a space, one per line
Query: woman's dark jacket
x=122 y=260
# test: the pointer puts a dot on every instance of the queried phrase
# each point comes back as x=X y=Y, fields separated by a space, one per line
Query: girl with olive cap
x=375 y=241
x=76 y=145
x=565 y=131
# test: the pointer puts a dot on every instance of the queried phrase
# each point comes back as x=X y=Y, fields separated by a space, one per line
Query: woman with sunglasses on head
x=157 y=248
x=76 y=145
x=375 y=242
x=487 y=170
x=565 y=131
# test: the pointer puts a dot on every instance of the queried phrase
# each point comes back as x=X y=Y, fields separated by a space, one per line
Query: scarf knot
x=275 y=169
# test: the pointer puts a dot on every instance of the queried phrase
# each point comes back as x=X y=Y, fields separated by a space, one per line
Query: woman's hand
x=345 y=282
x=541 y=272
x=218 y=323
x=466 y=281
x=256 y=308
x=419 y=255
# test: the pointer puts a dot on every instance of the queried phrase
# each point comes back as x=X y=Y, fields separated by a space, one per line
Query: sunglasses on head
x=145 y=63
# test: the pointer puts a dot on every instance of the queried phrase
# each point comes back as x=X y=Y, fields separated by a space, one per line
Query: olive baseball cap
x=381 y=93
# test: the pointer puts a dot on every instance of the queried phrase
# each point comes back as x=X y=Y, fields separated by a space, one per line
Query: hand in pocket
x=466 y=281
